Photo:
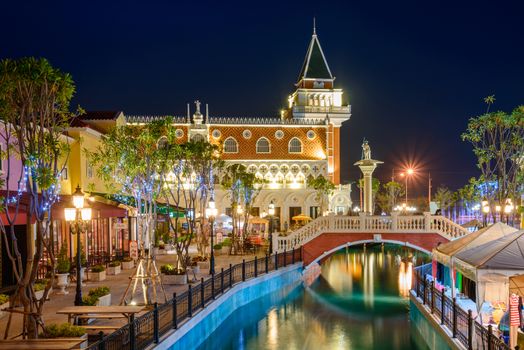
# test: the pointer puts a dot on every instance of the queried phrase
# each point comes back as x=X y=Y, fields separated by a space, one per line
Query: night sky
x=414 y=72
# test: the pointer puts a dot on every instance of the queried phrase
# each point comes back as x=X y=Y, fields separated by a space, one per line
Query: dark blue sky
x=414 y=72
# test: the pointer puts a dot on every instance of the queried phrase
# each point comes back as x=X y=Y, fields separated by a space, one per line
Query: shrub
x=227 y=242
x=40 y=285
x=98 y=268
x=168 y=269
x=63 y=330
x=63 y=264
x=217 y=246
x=94 y=294
x=115 y=263
x=198 y=258
x=4 y=298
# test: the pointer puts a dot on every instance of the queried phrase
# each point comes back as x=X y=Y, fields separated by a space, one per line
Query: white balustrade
x=419 y=224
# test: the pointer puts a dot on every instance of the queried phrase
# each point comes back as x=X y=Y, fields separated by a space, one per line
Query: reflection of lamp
x=271 y=212
x=211 y=213
x=79 y=215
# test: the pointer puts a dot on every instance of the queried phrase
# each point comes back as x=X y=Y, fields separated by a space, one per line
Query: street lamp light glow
x=78 y=198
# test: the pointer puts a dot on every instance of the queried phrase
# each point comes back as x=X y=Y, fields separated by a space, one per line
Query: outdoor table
x=73 y=312
x=41 y=344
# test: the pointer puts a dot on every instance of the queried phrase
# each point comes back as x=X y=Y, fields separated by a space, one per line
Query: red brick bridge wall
x=328 y=241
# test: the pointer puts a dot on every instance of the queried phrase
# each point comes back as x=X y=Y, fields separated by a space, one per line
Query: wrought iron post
x=202 y=293
x=470 y=330
x=175 y=324
x=189 y=301
x=230 y=276
x=442 y=305
x=222 y=281
x=243 y=270
x=256 y=266
x=454 y=317
x=155 y=323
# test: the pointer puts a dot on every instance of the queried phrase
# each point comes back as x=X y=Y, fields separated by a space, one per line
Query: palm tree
x=489 y=100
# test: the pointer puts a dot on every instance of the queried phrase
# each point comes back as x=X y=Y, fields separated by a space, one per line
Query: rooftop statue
x=366 y=150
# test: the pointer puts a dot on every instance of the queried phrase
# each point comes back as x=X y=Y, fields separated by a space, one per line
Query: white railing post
x=394 y=220
x=362 y=218
x=276 y=248
x=331 y=221
x=427 y=221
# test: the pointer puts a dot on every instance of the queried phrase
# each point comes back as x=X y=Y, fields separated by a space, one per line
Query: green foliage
x=98 y=268
x=389 y=195
x=498 y=143
x=444 y=197
x=63 y=330
x=40 y=285
x=63 y=265
x=169 y=269
x=115 y=263
x=217 y=246
x=4 y=298
x=227 y=242
x=94 y=294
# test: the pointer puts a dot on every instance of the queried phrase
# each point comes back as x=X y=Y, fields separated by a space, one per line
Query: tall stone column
x=367 y=166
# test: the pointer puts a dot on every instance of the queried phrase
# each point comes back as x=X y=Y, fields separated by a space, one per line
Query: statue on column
x=366 y=150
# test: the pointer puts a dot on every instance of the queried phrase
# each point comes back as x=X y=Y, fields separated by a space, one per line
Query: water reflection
x=358 y=302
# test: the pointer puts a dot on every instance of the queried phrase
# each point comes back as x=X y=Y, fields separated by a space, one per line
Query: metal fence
x=463 y=327
x=148 y=328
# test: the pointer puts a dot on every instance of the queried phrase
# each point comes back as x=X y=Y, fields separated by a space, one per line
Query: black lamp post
x=79 y=215
x=211 y=213
x=271 y=212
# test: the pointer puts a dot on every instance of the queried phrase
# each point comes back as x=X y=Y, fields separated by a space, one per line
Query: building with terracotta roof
x=303 y=142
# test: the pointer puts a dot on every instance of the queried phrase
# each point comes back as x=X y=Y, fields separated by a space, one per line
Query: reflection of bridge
x=326 y=234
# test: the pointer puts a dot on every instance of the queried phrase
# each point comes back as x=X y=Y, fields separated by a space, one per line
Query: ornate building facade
x=303 y=142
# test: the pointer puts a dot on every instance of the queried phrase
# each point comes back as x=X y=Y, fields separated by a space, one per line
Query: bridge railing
x=425 y=223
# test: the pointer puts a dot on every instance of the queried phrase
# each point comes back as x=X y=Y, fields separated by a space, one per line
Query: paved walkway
x=118 y=285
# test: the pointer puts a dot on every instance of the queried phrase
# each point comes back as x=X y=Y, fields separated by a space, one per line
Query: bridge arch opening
x=330 y=252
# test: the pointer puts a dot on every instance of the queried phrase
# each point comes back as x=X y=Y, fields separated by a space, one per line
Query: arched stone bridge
x=327 y=234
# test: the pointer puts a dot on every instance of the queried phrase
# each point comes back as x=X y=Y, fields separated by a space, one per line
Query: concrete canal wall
x=192 y=333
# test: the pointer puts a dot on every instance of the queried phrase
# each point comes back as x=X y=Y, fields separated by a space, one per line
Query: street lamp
x=408 y=172
x=79 y=215
x=485 y=211
x=211 y=213
x=271 y=212
x=508 y=209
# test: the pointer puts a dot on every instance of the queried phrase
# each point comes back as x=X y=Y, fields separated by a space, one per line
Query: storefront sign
x=514 y=312
x=133 y=249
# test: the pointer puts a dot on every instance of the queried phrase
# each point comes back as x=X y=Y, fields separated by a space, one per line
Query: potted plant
x=39 y=287
x=4 y=304
x=65 y=330
x=161 y=248
x=98 y=273
x=172 y=275
x=128 y=263
x=114 y=267
x=226 y=245
x=100 y=296
x=63 y=265
x=202 y=262
x=217 y=248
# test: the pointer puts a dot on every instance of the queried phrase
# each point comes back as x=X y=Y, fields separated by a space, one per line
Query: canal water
x=359 y=301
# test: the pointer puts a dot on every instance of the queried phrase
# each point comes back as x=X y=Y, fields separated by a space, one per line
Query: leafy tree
x=388 y=196
x=34 y=112
x=498 y=143
x=444 y=197
x=188 y=176
x=323 y=187
x=243 y=187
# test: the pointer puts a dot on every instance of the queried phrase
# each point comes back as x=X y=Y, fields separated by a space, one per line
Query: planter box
x=128 y=265
x=203 y=265
x=97 y=276
x=174 y=279
x=113 y=270
x=4 y=313
x=217 y=251
x=104 y=301
x=160 y=252
x=225 y=250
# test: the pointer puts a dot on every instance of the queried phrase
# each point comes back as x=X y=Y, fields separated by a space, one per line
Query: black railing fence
x=460 y=323
x=148 y=328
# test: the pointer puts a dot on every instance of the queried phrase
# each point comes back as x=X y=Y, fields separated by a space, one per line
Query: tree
x=444 y=197
x=388 y=196
x=34 y=112
x=189 y=177
x=243 y=187
x=323 y=187
x=498 y=143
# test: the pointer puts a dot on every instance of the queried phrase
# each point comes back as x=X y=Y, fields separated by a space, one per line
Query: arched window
x=230 y=145
x=295 y=145
x=263 y=145
x=197 y=138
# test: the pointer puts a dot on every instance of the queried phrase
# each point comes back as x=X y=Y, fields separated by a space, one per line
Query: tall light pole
x=406 y=174
x=211 y=213
x=271 y=212
x=79 y=215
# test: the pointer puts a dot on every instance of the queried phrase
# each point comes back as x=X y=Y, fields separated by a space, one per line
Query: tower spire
x=314 y=26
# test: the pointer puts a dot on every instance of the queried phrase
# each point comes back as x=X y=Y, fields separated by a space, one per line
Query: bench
x=100 y=316
x=100 y=328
